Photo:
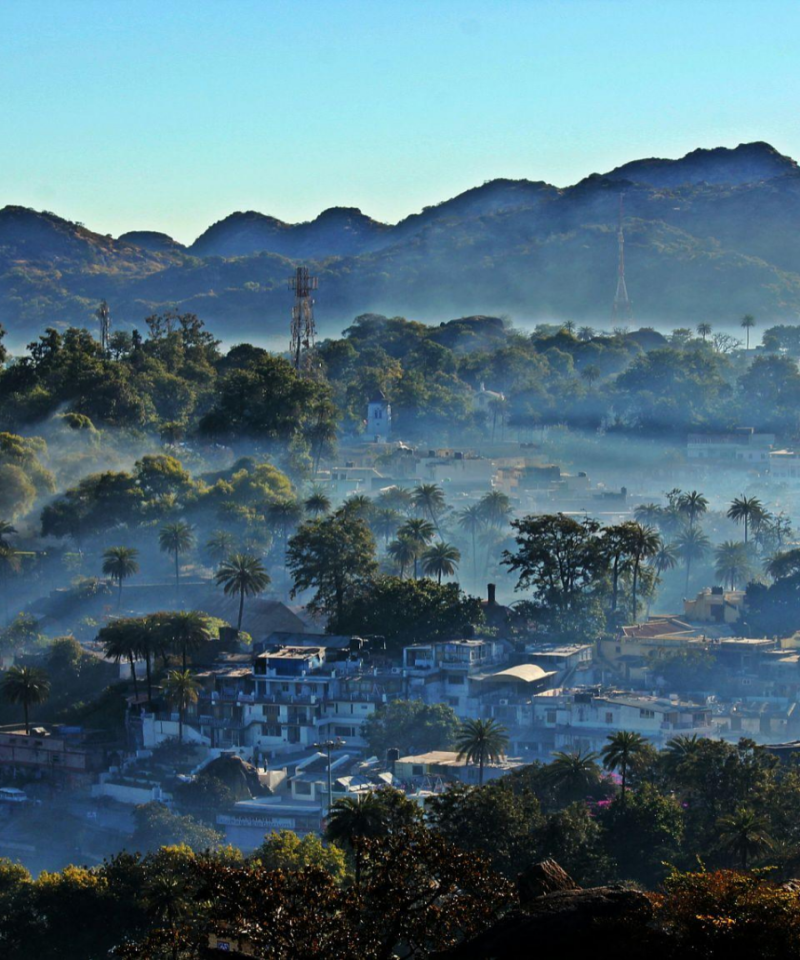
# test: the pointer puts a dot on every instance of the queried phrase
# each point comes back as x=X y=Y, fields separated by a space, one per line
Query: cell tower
x=622 y=308
x=303 y=329
x=103 y=314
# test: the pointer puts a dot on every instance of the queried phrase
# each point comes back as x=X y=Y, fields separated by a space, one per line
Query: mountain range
x=710 y=236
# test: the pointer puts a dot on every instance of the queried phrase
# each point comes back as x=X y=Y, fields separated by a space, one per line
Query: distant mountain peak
x=746 y=163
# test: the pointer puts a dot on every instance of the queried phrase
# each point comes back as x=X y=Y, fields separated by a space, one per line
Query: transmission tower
x=622 y=308
x=303 y=329
x=103 y=314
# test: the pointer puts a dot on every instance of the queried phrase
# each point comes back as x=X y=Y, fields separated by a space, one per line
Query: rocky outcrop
x=556 y=917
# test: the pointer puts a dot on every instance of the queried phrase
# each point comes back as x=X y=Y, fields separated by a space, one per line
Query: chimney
x=491 y=590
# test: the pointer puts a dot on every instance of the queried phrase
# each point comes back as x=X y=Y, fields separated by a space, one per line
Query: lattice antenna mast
x=622 y=308
x=103 y=314
x=303 y=329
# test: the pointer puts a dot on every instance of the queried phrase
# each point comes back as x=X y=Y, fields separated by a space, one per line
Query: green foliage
x=155 y=826
x=410 y=611
x=412 y=726
x=284 y=850
x=335 y=556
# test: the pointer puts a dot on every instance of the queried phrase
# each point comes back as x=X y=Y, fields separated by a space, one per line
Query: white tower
x=379 y=418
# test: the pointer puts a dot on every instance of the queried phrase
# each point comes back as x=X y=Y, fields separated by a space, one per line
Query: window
x=551 y=716
x=647 y=714
x=417 y=770
x=609 y=718
x=303 y=788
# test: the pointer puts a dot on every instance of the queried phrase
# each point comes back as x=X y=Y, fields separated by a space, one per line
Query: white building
x=379 y=418
x=742 y=446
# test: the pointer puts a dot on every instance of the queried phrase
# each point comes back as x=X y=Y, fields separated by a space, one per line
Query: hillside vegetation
x=709 y=237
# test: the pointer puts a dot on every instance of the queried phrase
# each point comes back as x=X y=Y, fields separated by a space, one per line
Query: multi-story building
x=66 y=756
x=581 y=719
x=742 y=447
x=442 y=672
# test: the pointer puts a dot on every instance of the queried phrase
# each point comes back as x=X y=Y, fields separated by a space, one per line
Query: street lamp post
x=327 y=746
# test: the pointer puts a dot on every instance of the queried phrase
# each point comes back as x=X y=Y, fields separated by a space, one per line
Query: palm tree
x=441 y=560
x=184 y=631
x=495 y=508
x=648 y=514
x=621 y=749
x=429 y=501
x=471 y=521
x=317 y=502
x=704 y=329
x=481 y=742
x=243 y=574
x=645 y=543
x=358 y=505
x=666 y=558
x=120 y=563
x=692 y=505
x=419 y=532
x=576 y=772
x=221 y=544
x=732 y=562
x=692 y=544
x=25 y=685
x=397 y=498
x=744 y=833
x=176 y=538
x=617 y=544
x=181 y=689
x=352 y=819
x=680 y=748
x=404 y=552
x=285 y=515
x=384 y=523
x=747 y=509
x=748 y=322
x=121 y=640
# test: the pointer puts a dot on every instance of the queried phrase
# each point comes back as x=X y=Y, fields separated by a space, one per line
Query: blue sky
x=168 y=115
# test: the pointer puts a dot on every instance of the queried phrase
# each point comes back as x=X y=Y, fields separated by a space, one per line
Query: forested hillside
x=709 y=237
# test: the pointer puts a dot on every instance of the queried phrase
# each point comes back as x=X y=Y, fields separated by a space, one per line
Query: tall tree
x=495 y=508
x=176 y=538
x=317 y=502
x=704 y=329
x=353 y=819
x=621 y=749
x=184 y=631
x=692 y=505
x=181 y=689
x=471 y=520
x=748 y=322
x=732 y=563
x=747 y=510
x=120 y=563
x=404 y=552
x=221 y=544
x=429 y=501
x=333 y=555
x=25 y=685
x=121 y=640
x=418 y=532
x=242 y=574
x=745 y=833
x=645 y=543
x=481 y=742
x=441 y=560
x=692 y=544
